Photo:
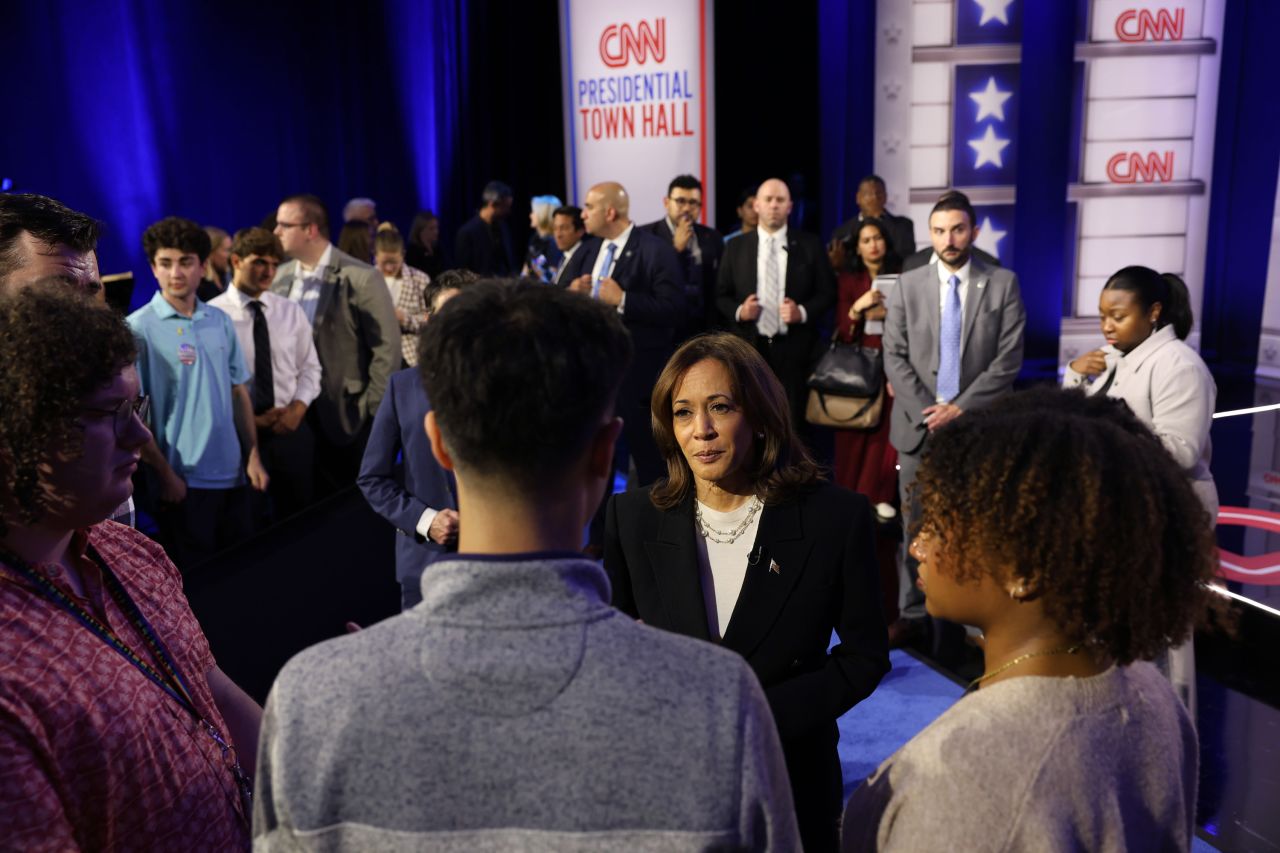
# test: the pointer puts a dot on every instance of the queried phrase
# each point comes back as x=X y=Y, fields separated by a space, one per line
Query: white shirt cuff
x=424 y=523
x=804 y=315
x=622 y=303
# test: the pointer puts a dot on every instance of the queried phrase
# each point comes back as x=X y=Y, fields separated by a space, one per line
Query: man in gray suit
x=356 y=333
x=952 y=341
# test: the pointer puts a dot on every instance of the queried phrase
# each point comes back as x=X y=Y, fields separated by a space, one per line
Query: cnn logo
x=1132 y=168
x=621 y=43
x=1144 y=25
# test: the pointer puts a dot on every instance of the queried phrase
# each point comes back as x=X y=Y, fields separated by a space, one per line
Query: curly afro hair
x=1076 y=498
x=57 y=346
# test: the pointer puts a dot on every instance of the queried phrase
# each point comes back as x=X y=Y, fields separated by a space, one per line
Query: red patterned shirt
x=93 y=754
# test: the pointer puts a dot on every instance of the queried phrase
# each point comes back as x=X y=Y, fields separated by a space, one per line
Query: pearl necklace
x=725 y=537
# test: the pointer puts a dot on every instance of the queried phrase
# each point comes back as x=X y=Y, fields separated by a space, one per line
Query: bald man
x=639 y=274
x=773 y=288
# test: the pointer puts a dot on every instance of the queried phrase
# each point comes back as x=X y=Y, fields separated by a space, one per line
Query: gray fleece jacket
x=514 y=709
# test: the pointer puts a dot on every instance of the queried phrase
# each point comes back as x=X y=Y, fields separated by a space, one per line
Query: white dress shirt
x=295 y=366
x=305 y=289
x=598 y=272
x=943 y=286
x=564 y=261
x=762 y=255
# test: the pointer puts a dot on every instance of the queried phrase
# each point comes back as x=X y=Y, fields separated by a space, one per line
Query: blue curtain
x=846 y=104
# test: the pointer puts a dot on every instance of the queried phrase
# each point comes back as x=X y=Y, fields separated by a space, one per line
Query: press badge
x=186 y=354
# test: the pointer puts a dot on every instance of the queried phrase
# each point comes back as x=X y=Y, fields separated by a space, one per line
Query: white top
x=305 y=289
x=394 y=285
x=724 y=567
x=597 y=271
x=1166 y=384
x=295 y=367
x=761 y=254
x=564 y=261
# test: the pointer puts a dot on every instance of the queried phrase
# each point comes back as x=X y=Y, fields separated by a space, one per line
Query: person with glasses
x=275 y=338
x=205 y=445
x=356 y=333
x=699 y=249
x=117 y=727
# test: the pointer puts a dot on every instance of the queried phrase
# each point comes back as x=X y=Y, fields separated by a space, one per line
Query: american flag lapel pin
x=774 y=567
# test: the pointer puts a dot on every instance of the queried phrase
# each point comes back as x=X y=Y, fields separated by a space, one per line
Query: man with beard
x=698 y=248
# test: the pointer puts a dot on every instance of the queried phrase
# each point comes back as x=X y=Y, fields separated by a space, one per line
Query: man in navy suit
x=639 y=274
x=697 y=247
x=413 y=493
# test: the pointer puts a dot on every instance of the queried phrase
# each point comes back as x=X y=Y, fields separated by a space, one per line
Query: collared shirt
x=295 y=366
x=307 y=282
x=95 y=755
x=597 y=271
x=564 y=262
x=188 y=366
x=762 y=255
x=943 y=286
x=693 y=247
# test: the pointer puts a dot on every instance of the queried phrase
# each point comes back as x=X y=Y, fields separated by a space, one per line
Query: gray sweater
x=514 y=709
x=1035 y=763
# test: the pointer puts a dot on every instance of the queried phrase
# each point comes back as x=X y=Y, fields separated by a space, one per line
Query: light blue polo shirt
x=188 y=366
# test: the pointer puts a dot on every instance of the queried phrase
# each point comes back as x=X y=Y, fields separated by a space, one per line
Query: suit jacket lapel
x=933 y=313
x=780 y=551
x=793 y=253
x=624 y=262
x=979 y=277
x=673 y=555
x=328 y=284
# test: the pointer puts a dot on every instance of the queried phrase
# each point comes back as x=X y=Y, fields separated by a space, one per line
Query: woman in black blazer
x=744 y=544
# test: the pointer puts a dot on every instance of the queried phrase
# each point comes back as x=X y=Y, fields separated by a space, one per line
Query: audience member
x=865 y=461
x=698 y=249
x=355 y=240
x=356 y=334
x=1145 y=319
x=361 y=210
x=568 y=230
x=543 y=255
x=204 y=441
x=407 y=286
x=513 y=699
x=743 y=545
x=952 y=342
x=773 y=289
x=748 y=219
x=217 y=271
x=400 y=478
x=423 y=250
x=41 y=237
x=1071 y=740
x=117 y=727
x=639 y=275
x=900 y=231
x=483 y=243
x=276 y=341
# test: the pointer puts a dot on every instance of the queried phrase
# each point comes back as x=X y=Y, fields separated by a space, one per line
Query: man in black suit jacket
x=698 y=248
x=622 y=265
x=483 y=243
x=783 y=326
x=871 y=199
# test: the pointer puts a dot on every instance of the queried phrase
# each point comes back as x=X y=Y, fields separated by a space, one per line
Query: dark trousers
x=206 y=522
x=791 y=356
x=290 y=461
x=817 y=789
x=336 y=463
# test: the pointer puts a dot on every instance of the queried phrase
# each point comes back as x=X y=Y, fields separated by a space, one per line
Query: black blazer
x=475 y=250
x=824 y=546
x=700 y=290
x=810 y=281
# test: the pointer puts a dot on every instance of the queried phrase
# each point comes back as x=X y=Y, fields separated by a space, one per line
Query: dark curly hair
x=174 y=232
x=1088 y=510
x=57 y=346
x=781 y=466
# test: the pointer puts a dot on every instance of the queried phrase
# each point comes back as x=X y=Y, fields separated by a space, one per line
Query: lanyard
x=170 y=680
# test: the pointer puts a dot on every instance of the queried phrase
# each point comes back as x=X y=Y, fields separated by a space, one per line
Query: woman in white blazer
x=1146 y=317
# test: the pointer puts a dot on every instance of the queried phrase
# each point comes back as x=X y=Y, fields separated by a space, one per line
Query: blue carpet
x=909 y=698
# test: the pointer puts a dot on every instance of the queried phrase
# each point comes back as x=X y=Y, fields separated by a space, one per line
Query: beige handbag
x=830 y=410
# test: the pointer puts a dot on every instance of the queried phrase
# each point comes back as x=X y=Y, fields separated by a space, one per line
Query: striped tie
x=770 y=322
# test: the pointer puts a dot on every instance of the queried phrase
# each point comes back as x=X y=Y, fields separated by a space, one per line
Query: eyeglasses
x=123 y=413
x=687 y=202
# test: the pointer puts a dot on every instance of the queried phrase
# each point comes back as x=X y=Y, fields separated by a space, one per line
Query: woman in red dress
x=864 y=460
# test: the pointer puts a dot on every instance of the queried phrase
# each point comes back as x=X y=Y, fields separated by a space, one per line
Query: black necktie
x=264 y=394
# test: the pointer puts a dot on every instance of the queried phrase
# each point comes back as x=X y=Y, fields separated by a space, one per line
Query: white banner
x=638 y=98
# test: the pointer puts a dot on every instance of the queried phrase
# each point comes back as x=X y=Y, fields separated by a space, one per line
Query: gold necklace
x=1060 y=650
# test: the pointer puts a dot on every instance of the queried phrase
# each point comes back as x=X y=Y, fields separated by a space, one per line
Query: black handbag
x=849 y=370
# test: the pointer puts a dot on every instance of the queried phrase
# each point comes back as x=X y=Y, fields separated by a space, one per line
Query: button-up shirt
x=307 y=282
x=295 y=366
x=944 y=285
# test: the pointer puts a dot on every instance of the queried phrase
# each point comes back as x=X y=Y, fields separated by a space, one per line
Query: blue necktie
x=949 y=351
x=609 y=249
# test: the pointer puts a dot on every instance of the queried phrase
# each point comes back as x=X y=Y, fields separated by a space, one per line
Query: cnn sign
x=1130 y=167
x=1133 y=25
x=620 y=44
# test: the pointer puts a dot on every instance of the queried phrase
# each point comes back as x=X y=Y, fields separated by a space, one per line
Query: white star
x=989 y=238
x=990 y=100
x=989 y=149
x=994 y=10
